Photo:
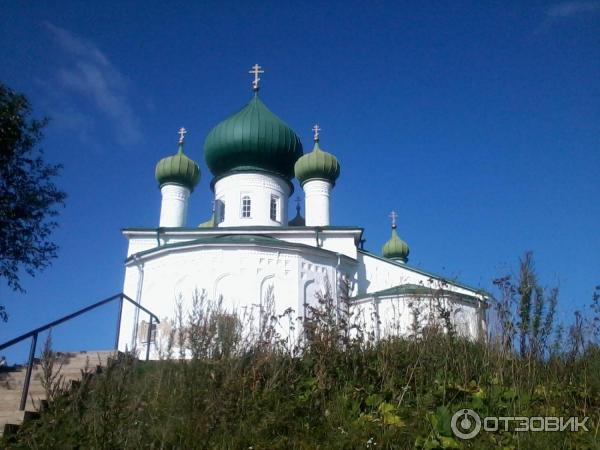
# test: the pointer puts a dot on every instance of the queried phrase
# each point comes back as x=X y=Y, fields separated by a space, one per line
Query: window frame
x=246 y=210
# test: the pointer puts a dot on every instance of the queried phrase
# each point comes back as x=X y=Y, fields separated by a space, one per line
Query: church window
x=273 y=208
x=246 y=207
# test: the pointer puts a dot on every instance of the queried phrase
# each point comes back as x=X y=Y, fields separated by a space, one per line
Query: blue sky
x=478 y=122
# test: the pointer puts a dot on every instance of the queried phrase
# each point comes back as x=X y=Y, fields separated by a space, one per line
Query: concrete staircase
x=12 y=379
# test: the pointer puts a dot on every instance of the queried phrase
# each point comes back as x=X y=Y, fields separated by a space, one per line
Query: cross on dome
x=256 y=70
x=182 y=131
x=316 y=129
x=393 y=216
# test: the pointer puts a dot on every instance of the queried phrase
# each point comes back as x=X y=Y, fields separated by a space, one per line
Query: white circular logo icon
x=466 y=424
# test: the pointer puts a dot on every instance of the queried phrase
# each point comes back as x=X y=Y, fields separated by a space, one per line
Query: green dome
x=178 y=169
x=252 y=139
x=396 y=248
x=317 y=164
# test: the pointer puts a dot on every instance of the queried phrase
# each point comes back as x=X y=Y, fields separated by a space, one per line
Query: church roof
x=252 y=139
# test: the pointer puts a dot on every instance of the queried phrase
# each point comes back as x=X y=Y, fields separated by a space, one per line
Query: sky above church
x=478 y=122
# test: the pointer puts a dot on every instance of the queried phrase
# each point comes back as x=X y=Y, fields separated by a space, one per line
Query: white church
x=250 y=246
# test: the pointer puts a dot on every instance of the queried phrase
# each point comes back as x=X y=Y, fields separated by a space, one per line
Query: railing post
x=118 y=334
x=28 y=373
x=148 y=338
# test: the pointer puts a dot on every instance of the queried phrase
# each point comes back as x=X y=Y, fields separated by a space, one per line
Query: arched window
x=246 y=207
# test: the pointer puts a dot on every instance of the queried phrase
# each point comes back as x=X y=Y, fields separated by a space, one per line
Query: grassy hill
x=394 y=394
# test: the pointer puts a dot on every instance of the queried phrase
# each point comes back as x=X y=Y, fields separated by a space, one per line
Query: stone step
x=38 y=374
x=11 y=384
x=13 y=416
x=33 y=388
x=12 y=413
x=14 y=406
x=12 y=397
x=37 y=377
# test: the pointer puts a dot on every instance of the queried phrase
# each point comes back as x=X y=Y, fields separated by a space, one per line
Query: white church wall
x=241 y=276
x=174 y=205
x=399 y=315
x=129 y=313
x=141 y=244
x=341 y=243
x=316 y=197
x=260 y=188
x=335 y=240
x=375 y=274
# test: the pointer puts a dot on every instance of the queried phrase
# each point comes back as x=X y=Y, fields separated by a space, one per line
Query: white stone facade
x=174 y=205
x=261 y=189
x=294 y=263
x=316 y=196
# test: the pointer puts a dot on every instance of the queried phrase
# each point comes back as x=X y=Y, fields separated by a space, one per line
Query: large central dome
x=252 y=139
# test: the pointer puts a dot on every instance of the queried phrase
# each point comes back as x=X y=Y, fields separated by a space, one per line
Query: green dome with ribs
x=396 y=248
x=178 y=169
x=317 y=164
x=252 y=139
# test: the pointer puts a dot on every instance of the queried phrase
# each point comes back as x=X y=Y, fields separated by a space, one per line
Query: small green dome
x=317 y=164
x=396 y=248
x=178 y=169
x=252 y=139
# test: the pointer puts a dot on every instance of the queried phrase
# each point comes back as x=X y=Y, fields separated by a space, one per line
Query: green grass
x=395 y=394
x=218 y=387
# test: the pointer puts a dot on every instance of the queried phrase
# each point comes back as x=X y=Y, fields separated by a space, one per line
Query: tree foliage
x=29 y=199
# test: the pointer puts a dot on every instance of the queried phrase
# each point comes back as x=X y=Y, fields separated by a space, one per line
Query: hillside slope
x=394 y=394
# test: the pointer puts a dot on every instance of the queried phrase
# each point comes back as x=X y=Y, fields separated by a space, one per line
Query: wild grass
x=216 y=387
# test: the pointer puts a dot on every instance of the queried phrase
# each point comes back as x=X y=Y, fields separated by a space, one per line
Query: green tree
x=29 y=199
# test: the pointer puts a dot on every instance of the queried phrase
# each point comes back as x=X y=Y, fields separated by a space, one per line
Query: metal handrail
x=33 y=334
